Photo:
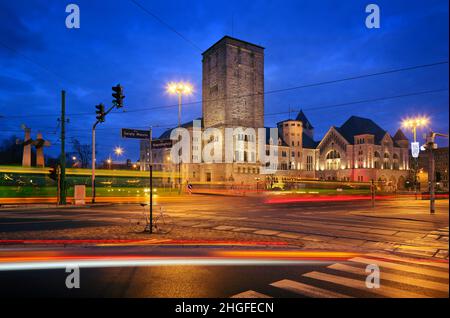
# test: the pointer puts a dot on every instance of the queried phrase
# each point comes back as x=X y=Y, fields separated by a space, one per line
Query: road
x=231 y=246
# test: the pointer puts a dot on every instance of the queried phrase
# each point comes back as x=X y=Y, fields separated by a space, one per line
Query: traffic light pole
x=93 y=153
x=431 y=177
x=117 y=102
x=431 y=168
x=62 y=182
x=93 y=162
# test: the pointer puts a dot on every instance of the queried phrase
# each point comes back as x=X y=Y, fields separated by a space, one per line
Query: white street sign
x=415 y=149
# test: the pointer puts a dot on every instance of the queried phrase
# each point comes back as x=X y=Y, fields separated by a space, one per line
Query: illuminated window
x=333 y=160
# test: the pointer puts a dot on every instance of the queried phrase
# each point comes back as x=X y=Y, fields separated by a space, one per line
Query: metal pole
x=93 y=163
x=431 y=177
x=179 y=157
x=151 y=199
x=372 y=193
x=62 y=193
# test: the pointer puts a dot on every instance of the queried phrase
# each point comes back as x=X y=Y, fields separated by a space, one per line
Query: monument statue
x=27 y=142
x=39 y=145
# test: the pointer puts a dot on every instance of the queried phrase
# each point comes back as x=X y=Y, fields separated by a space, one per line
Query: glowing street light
x=118 y=151
x=180 y=89
x=414 y=123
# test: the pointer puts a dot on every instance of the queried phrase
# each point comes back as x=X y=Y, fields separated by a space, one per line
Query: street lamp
x=118 y=151
x=413 y=124
x=179 y=89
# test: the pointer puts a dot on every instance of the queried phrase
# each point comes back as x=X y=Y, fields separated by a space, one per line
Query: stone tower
x=233 y=84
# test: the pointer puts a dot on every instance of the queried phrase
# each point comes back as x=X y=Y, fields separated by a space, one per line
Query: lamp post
x=179 y=89
x=413 y=124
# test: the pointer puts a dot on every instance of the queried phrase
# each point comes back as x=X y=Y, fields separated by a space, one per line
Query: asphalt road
x=411 y=247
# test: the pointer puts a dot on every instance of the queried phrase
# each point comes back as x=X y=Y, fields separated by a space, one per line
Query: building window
x=333 y=160
x=309 y=163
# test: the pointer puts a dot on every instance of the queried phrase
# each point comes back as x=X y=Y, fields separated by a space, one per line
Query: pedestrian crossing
x=400 y=277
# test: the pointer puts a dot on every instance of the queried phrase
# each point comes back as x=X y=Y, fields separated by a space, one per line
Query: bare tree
x=83 y=152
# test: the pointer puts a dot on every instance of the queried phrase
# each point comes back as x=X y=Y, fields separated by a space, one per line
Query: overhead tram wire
x=312 y=108
x=61 y=78
x=168 y=26
x=363 y=101
x=351 y=78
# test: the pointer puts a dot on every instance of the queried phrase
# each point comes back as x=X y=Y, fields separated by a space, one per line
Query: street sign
x=415 y=149
x=135 y=133
x=161 y=143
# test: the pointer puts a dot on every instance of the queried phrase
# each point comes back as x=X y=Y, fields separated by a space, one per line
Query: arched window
x=386 y=155
x=333 y=154
x=376 y=160
x=395 y=164
x=333 y=160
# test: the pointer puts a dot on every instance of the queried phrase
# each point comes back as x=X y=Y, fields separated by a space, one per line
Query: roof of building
x=306 y=123
x=359 y=126
x=166 y=134
x=226 y=38
x=308 y=142
x=399 y=135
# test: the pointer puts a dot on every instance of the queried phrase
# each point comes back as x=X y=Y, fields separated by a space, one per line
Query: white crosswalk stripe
x=250 y=294
x=400 y=267
x=307 y=290
x=361 y=285
x=437 y=264
x=402 y=279
x=428 y=278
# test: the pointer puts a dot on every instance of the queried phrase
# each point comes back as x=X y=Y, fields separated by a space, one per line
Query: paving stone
x=349 y=241
x=203 y=225
x=407 y=234
x=416 y=252
x=266 y=232
x=289 y=235
x=317 y=238
x=382 y=232
x=224 y=227
x=187 y=223
x=244 y=229
x=441 y=254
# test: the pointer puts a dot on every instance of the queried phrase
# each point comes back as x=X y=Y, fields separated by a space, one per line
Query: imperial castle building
x=233 y=96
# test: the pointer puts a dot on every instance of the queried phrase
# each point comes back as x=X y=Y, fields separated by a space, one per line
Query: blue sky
x=305 y=41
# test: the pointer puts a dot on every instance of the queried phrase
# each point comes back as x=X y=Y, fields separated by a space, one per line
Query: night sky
x=306 y=42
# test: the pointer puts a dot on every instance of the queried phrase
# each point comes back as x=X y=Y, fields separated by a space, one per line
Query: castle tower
x=233 y=84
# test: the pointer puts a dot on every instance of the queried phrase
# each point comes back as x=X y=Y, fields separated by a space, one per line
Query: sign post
x=415 y=150
x=144 y=134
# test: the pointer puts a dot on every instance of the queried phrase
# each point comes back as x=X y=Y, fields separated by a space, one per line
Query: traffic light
x=118 y=96
x=100 y=112
x=53 y=174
